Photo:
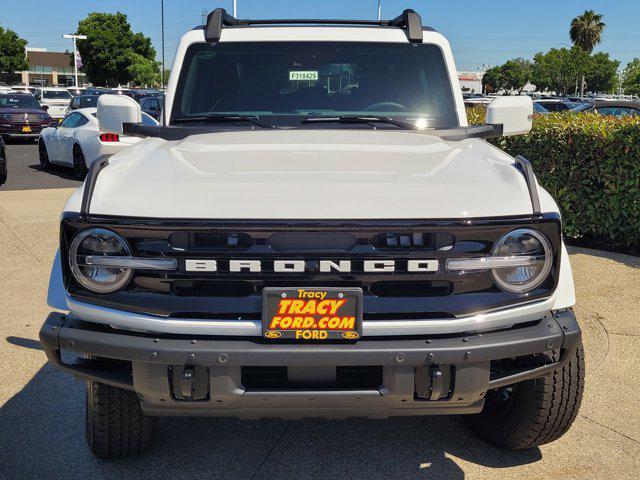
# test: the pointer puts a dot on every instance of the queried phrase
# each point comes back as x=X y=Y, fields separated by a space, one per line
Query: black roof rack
x=408 y=20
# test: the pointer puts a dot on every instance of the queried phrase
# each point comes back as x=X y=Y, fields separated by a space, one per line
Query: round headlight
x=98 y=242
x=524 y=242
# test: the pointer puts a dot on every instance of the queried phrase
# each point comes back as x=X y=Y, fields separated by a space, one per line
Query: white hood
x=312 y=174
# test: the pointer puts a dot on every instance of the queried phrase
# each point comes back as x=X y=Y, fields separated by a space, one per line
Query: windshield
x=19 y=101
x=56 y=95
x=86 y=102
x=286 y=81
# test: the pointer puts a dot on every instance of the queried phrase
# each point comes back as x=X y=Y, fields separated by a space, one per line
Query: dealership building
x=46 y=69
x=471 y=82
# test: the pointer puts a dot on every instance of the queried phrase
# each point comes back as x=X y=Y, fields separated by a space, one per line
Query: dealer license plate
x=312 y=313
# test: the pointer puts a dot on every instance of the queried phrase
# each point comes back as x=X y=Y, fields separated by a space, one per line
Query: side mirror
x=115 y=110
x=515 y=114
x=45 y=107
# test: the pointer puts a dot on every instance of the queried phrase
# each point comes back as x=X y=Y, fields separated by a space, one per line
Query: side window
x=618 y=111
x=82 y=120
x=148 y=121
x=70 y=120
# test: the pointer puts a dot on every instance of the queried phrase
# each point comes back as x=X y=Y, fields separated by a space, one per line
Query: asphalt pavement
x=42 y=409
x=25 y=172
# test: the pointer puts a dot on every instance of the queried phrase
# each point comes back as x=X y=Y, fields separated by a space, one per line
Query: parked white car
x=55 y=99
x=77 y=141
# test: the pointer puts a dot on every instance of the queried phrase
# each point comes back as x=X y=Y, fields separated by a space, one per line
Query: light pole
x=235 y=8
x=379 y=9
x=75 y=53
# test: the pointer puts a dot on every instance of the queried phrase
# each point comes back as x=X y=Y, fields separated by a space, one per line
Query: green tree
x=12 y=54
x=586 y=30
x=585 y=33
x=631 y=77
x=144 y=72
x=492 y=80
x=558 y=70
x=516 y=74
x=109 y=49
x=142 y=46
x=601 y=73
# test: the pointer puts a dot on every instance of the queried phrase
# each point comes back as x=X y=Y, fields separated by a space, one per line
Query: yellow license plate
x=312 y=313
x=26 y=129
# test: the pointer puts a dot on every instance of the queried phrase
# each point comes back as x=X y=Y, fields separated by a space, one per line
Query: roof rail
x=408 y=20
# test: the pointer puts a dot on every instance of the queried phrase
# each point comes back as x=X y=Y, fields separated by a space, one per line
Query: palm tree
x=586 y=32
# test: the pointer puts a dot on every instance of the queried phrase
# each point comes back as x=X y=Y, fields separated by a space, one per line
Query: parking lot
x=42 y=410
x=25 y=172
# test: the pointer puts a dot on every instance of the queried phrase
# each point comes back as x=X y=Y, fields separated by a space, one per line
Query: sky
x=480 y=32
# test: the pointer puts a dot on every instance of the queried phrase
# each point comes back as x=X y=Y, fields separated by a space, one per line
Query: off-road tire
x=44 y=156
x=538 y=412
x=115 y=424
x=79 y=163
x=3 y=168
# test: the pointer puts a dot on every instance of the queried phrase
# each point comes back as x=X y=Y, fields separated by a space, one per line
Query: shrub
x=590 y=164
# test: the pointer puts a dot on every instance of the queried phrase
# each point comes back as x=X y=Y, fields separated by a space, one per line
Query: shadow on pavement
x=20 y=141
x=25 y=343
x=42 y=436
x=59 y=171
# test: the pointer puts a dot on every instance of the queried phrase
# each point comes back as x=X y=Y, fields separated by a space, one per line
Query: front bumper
x=453 y=371
x=15 y=130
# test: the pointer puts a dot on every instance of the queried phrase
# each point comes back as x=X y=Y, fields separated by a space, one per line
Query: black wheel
x=44 y=156
x=3 y=168
x=79 y=164
x=115 y=424
x=534 y=412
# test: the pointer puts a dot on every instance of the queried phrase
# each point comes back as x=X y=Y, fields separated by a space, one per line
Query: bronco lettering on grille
x=311 y=266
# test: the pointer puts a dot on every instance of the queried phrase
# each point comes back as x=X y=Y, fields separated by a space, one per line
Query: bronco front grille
x=222 y=293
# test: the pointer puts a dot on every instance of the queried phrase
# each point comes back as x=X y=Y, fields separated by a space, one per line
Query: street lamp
x=75 y=53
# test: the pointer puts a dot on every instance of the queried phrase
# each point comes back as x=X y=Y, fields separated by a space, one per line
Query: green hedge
x=590 y=164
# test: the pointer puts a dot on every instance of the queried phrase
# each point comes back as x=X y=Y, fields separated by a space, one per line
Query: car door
x=53 y=140
x=70 y=139
x=64 y=135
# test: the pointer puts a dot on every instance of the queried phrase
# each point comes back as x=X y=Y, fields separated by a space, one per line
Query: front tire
x=3 y=170
x=115 y=424
x=44 y=156
x=533 y=412
x=79 y=163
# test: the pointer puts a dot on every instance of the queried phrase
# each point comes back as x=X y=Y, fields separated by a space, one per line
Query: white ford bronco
x=315 y=230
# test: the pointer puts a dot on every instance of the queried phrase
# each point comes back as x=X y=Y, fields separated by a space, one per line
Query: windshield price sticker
x=300 y=75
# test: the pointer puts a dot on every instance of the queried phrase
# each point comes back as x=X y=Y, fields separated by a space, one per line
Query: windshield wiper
x=360 y=119
x=224 y=118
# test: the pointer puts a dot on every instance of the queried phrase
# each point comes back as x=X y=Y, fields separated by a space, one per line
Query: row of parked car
x=547 y=104
x=65 y=125
x=58 y=100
